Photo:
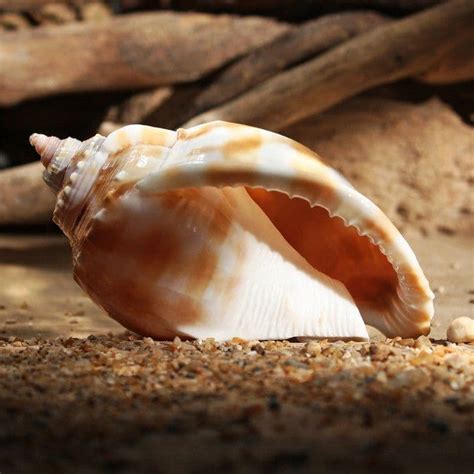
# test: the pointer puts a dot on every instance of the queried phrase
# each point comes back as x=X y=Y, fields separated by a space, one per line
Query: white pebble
x=461 y=330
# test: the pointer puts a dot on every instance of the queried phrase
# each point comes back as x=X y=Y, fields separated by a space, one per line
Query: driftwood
x=27 y=5
x=409 y=47
x=13 y=21
x=456 y=65
x=272 y=6
x=136 y=108
x=132 y=51
x=269 y=7
x=24 y=197
x=299 y=44
x=289 y=9
x=295 y=46
x=175 y=110
x=62 y=13
x=425 y=45
x=55 y=14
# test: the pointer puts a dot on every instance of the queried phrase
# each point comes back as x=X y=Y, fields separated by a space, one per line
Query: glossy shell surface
x=226 y=230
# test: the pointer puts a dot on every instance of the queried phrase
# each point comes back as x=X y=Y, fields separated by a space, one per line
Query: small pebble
x=313 y=348
x=455 y=361
x=423 y=342
x=409 y=342
x=461 y=330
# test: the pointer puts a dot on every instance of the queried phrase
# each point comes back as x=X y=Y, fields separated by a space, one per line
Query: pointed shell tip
x=45 y=146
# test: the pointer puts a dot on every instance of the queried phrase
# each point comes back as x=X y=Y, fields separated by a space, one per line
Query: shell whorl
x=56 y=156
x=45 y=146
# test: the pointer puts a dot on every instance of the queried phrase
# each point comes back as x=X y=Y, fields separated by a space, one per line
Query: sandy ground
x=78 y=394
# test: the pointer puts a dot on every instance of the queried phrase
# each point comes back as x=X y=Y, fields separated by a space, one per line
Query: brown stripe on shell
x=411 y=279
x=205 y=265
x=242 y=146
x=142 y=321
x=122 y=139
x=116 y=193
x=154 y=136
x=324 y=193
x=155 y=250
x=201 y=130
x=379 y=228
x=192 y=133
x=213 y=175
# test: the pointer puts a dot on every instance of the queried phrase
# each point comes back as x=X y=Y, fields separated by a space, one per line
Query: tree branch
x=409 y=47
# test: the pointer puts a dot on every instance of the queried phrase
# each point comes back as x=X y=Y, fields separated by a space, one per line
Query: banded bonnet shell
x=225 y=230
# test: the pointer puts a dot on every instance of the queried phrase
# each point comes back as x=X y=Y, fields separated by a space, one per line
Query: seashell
x=225 y=230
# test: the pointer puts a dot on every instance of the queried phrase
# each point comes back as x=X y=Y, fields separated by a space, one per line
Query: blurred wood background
x=75 y=67
x=382 y=89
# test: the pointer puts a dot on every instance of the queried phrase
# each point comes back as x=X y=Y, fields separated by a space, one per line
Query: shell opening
x=334 y=248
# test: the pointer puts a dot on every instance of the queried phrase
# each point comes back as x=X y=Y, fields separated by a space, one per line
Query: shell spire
x=45 y=146
x=56 y=156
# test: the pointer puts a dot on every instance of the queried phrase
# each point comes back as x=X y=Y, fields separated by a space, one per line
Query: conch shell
x=225 y=230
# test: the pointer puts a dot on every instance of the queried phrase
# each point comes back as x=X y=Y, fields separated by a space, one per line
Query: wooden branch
x=127 y=52
x=286 y=8
x=412 y=47
x=401 y=49
x=28 y=5
x=456 y=65
x=13 y=22
x=135 y=108
x=54 y=14
x=24 y=197
x=297 y=45
x=300 y=44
